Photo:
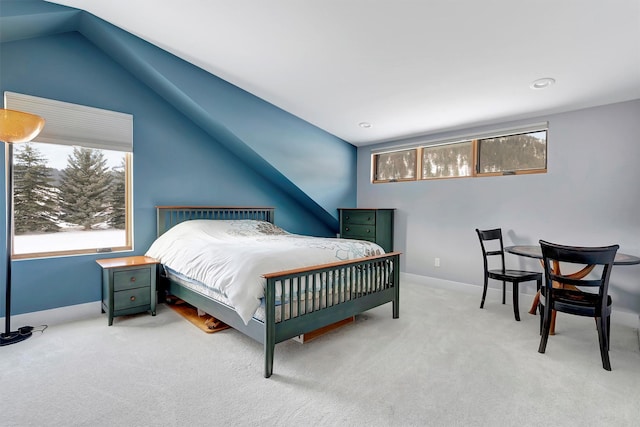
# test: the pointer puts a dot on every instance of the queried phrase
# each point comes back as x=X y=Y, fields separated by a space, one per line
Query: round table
x=533 y=251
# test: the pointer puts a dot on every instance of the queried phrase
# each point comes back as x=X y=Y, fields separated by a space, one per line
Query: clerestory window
x=511 y=153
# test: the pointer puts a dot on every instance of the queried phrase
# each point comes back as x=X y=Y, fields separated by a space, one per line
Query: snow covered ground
x=68 y=240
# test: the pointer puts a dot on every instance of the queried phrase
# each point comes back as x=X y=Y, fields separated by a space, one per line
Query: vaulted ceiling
x=404 y=67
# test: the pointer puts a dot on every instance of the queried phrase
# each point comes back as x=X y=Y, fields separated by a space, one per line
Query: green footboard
x=321 y=295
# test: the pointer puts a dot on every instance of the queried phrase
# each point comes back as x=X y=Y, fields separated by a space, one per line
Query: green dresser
x=374 y=225
x=128 y=285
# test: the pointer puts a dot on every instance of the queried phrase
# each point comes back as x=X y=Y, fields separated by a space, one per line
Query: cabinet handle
x=346 y=229
x=132 y=298
x=133 y=279
x=347 y=217
x=368 y=231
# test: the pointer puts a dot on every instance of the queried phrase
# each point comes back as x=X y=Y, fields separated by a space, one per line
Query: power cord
x=40 y=328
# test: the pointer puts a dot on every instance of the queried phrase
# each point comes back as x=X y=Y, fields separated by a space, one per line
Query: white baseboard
x=618 y=316
x=56 y=316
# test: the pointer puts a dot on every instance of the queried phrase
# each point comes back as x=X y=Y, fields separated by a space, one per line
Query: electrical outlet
x=436 y=262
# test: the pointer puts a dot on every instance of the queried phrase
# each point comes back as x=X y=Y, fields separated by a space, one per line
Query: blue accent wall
x=197 y=139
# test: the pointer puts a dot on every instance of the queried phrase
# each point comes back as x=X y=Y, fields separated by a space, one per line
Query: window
x=72 y=183
x=509 y=153
x=396 y=166
x=447 y=160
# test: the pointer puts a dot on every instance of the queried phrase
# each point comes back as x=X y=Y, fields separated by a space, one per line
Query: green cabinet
x=128 y=285
x=374 y=225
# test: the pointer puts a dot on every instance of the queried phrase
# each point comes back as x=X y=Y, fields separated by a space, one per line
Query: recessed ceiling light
x=364 y=125
x=542 y=83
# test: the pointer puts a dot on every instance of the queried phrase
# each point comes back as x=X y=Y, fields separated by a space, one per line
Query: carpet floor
x=444 y=362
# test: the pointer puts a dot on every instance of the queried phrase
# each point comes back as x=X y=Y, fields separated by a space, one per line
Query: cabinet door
x=384 y=229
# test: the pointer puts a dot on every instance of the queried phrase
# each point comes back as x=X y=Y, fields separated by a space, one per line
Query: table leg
x=534 y=305
x=552 y=328
x=534 y=309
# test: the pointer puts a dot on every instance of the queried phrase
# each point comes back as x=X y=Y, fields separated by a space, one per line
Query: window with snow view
x=70 y=200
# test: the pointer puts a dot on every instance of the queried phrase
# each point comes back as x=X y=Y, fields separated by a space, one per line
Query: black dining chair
x=568 y=294
x=493 y=248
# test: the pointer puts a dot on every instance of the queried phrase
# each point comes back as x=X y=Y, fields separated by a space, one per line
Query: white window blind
x=72 y=124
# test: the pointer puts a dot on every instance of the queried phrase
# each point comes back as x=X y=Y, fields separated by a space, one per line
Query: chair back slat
x=574 y=282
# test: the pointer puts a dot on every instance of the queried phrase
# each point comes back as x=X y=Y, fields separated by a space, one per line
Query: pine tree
x=34 y=198
x=85 y=188
x=117 y=219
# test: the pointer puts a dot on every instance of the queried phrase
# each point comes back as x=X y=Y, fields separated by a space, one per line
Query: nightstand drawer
x=129 y=279
x=132 y=298
x=361 y=231
x=359 y=217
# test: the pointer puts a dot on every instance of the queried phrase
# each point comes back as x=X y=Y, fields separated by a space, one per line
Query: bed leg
x=396 y=284
x=268 y=359
x=269 y=327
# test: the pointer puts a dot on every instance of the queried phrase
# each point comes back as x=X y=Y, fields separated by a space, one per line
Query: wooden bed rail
x=326 y=266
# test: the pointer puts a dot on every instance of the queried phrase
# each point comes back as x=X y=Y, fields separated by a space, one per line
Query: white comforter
x=232 y=255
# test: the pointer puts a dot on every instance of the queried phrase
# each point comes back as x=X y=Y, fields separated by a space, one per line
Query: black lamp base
x=16 y=336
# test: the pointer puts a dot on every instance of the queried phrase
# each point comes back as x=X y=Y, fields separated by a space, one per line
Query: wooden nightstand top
x=128 y=261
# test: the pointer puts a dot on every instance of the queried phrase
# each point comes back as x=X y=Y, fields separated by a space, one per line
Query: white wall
x=589 y=196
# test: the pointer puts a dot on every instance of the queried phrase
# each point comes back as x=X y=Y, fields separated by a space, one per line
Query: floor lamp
x=15 y=127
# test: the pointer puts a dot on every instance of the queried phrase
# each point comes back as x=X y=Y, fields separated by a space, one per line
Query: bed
x=281 y=304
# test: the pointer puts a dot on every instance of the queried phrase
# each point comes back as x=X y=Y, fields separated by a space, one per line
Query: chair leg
x=604 y=345
x=516 y=309
x=545 y=328
x=608 y=332
x=541 y=312
x=504 y=290
x=540 y=306
x=484 y=291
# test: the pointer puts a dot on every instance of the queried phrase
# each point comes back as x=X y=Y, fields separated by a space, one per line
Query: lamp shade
x=16 y=126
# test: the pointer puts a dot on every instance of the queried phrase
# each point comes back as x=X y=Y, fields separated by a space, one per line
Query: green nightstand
x=128 y=285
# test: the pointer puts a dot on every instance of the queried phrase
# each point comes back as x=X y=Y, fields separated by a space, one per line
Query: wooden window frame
x=128 y=246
